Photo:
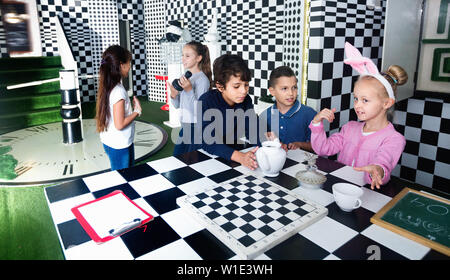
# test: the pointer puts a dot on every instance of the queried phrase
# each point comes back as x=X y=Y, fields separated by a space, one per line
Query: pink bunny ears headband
x=365 y=67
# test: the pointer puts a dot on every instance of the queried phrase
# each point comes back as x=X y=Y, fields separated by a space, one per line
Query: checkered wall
x=332 y=23
x=262 y=32
x=425 y=123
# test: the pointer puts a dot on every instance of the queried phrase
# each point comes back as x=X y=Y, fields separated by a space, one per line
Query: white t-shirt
x=112 y=137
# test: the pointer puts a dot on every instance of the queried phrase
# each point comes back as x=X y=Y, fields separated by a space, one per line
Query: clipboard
x=110 y=216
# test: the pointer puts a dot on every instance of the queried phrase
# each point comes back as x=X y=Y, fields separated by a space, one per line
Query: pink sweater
x=383 y=147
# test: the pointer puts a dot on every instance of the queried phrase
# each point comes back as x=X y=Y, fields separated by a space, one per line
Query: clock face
x=42 y=157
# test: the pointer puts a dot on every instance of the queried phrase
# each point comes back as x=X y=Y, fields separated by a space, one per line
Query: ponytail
x=205 y=63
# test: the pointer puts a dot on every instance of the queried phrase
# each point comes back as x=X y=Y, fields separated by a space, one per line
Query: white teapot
x=271 y=157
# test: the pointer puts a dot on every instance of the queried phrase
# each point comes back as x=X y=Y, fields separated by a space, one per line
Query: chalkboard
x=419 y=216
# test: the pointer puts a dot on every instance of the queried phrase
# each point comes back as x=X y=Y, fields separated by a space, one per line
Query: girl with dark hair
x=114 y=114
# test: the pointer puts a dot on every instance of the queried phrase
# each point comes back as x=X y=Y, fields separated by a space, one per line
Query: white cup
x=347 y=196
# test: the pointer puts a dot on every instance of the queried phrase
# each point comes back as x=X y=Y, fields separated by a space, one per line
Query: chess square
x=151 y=184
x=164 y=201
x=72 y=234
x=103 y=180
x=297 y=247
x=66 y=190
x=209 y=167
x=114 y=249
x=181 y=222
x=402 y=245
x=137 y=172
x=202 y=242
x=156 y=234
x=125 y=188
x=182 y=249
x=166 y=164
x=325 y=227
x=182 y=175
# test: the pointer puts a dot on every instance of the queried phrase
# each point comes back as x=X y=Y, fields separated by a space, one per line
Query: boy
x=227 y=112
x=289 y=118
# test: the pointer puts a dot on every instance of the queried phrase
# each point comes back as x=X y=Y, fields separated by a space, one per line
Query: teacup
x=347 y=196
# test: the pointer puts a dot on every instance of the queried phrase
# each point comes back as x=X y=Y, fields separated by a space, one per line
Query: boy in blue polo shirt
x=288 y=118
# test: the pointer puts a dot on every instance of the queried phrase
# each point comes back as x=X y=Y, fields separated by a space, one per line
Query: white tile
x=178 y=250
x=319 y=196
x=166 y=164
x=292 y=170
x=328 y=234
x=416 y=106
x=331 y=257
x=198 y=185
x=298 y=155
x=349 y=174
x=431 y=123
x=444 y=140
x=181 y=222
x=372 y=200
x=427 y=151
x=209 y=167
x=113 y=249
x=61 y=210
x=150 y=185
x=412 y=133
x=104 y=180
x=396 y=242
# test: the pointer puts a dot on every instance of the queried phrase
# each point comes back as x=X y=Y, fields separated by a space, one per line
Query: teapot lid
x=274 y=143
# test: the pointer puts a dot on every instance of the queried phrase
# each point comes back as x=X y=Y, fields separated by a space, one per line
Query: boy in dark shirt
x=227 y=112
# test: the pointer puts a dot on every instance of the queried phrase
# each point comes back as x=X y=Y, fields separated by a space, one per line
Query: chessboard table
x=175 y=234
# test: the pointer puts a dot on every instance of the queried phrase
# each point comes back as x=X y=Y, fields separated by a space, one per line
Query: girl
x=115 y=117
x=195 y=59
x=372 y=145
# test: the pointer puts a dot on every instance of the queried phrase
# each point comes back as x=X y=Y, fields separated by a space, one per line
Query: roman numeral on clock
x=144 y=143
x=68 y=169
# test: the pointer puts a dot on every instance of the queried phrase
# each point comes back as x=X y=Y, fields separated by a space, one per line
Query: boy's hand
x=325 y=114
x=375 y=172
x=294 y=145
x=247 y=159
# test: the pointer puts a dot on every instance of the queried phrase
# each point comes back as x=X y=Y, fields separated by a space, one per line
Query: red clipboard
x=110 y=212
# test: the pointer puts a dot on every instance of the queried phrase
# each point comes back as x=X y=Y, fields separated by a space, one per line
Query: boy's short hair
x=228 y=65
x=282 y=71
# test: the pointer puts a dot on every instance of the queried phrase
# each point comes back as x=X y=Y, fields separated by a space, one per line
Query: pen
x=124 y=227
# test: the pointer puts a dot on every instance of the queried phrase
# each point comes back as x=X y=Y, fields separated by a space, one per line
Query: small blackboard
x=419 y=216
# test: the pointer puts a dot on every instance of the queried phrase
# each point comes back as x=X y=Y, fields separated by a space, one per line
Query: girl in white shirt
x=114 y=114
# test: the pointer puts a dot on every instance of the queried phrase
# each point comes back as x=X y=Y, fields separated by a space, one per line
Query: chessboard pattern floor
x=173 y=234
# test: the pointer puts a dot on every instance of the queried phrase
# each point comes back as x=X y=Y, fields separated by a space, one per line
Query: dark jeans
x=186 y=145
x=120 y=158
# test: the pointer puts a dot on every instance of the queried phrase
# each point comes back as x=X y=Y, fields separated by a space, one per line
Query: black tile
x=429 y=137
x=164 y=201
x=156 y=234
x=408 y=173
x=182 y=175
x=443 y=155
x=336 y=88
x=208 y=247
x=284 y=180
x=127 y=190
x=66 y=190
x=433 y=108
x=445 y=126
x=225 y=175
x=327 y=70
x=414 y=120
x=426 y=165
x=137 y=172
x=412 y=147
x=289 y=162
x=441 y=183
x=193 y=157
x=327 y=165
x=363 y=248
x=393 y=187
x=358 y=219
x=230 y=163
x=72 y=233
x=297 y=247
x=435 y=255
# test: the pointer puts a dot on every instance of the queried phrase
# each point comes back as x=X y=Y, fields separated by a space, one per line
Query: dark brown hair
x=228 y=65
x=282 y=71
x=205 y=63
x=109 y=76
